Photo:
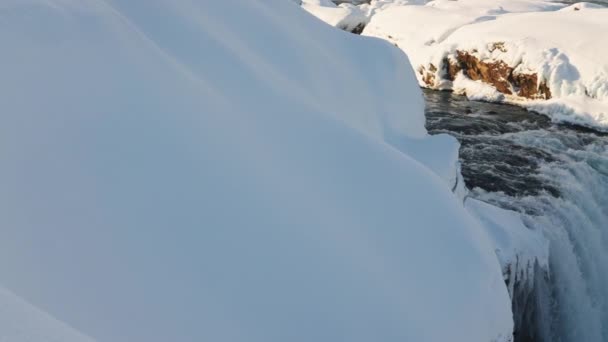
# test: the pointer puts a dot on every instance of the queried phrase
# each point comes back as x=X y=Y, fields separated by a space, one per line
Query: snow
x=476 y=90
x=21 y=322
x=345 y=16
x=563 y=45
x=229 y=171
x=565 y=48
x=439 y=153
x=517 y=246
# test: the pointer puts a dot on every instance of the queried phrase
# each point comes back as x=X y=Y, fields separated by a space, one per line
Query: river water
x=597 y=2
x=556 y=176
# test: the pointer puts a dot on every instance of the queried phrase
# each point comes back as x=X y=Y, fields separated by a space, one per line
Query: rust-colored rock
x=451 y=69
x=500 y=46
x=543 y=89
x=428 y=76
x=529 y=87
x=526 y=84
x=497 y=73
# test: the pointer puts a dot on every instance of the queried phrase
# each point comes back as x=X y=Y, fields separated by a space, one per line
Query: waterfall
x=556 y=176
x=576 y=224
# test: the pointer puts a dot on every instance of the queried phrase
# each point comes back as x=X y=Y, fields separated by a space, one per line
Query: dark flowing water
x=556 y=176
x=597 y=2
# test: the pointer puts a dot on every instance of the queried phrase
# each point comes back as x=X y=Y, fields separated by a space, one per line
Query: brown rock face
x=497 y=46
x=428 y=77
x=497 y=73
x=451 y=69
x=494 y=73
x=527 y=84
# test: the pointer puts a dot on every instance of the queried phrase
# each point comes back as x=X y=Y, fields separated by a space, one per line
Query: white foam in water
x=577 y=226
x=508 y=149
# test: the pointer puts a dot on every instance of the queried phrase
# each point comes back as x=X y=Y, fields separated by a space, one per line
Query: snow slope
x=556 y=54
x=345 y=16
x=518 y=247
x=19 y=321
x=229 y=171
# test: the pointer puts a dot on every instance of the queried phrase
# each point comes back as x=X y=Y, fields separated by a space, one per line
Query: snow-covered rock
x=547 y=59
x=546 y=56
x=345 y=16
x=229 y=171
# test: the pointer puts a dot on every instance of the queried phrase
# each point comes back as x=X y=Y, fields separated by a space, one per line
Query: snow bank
x=557 y=60
x=524 y=254
x=345 y=16
x=566 y=50
x=19 y=321
x=476 y=90
x=546 y=56
x=518 y=247
x=229 y=171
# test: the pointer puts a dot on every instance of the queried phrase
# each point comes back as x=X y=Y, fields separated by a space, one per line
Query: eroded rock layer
x=506 y=79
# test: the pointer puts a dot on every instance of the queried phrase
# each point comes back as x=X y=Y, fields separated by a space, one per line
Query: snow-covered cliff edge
x=229 y=171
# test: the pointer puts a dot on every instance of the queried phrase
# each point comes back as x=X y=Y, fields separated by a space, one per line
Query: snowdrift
x=345 y=16
x=546 y=56
x=20 y=321
x=228 y=171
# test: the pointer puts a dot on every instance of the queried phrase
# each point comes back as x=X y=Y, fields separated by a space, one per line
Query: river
x=556 y=176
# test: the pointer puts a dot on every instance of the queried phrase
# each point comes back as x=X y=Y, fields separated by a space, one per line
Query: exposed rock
x=500 y=46
x=428 y=76
x=529 y=86
x=497 y=73
x=451 y=69
x=358 y=29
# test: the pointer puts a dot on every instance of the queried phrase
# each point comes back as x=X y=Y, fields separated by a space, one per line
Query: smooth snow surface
x=229 y=171
x=344 y=16
x=21 y=322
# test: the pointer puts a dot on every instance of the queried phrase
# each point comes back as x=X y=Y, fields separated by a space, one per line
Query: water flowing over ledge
x=556 y=177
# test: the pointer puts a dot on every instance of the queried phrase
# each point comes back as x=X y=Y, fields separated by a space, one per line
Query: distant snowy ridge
x=229 y=171
x=542 y=55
